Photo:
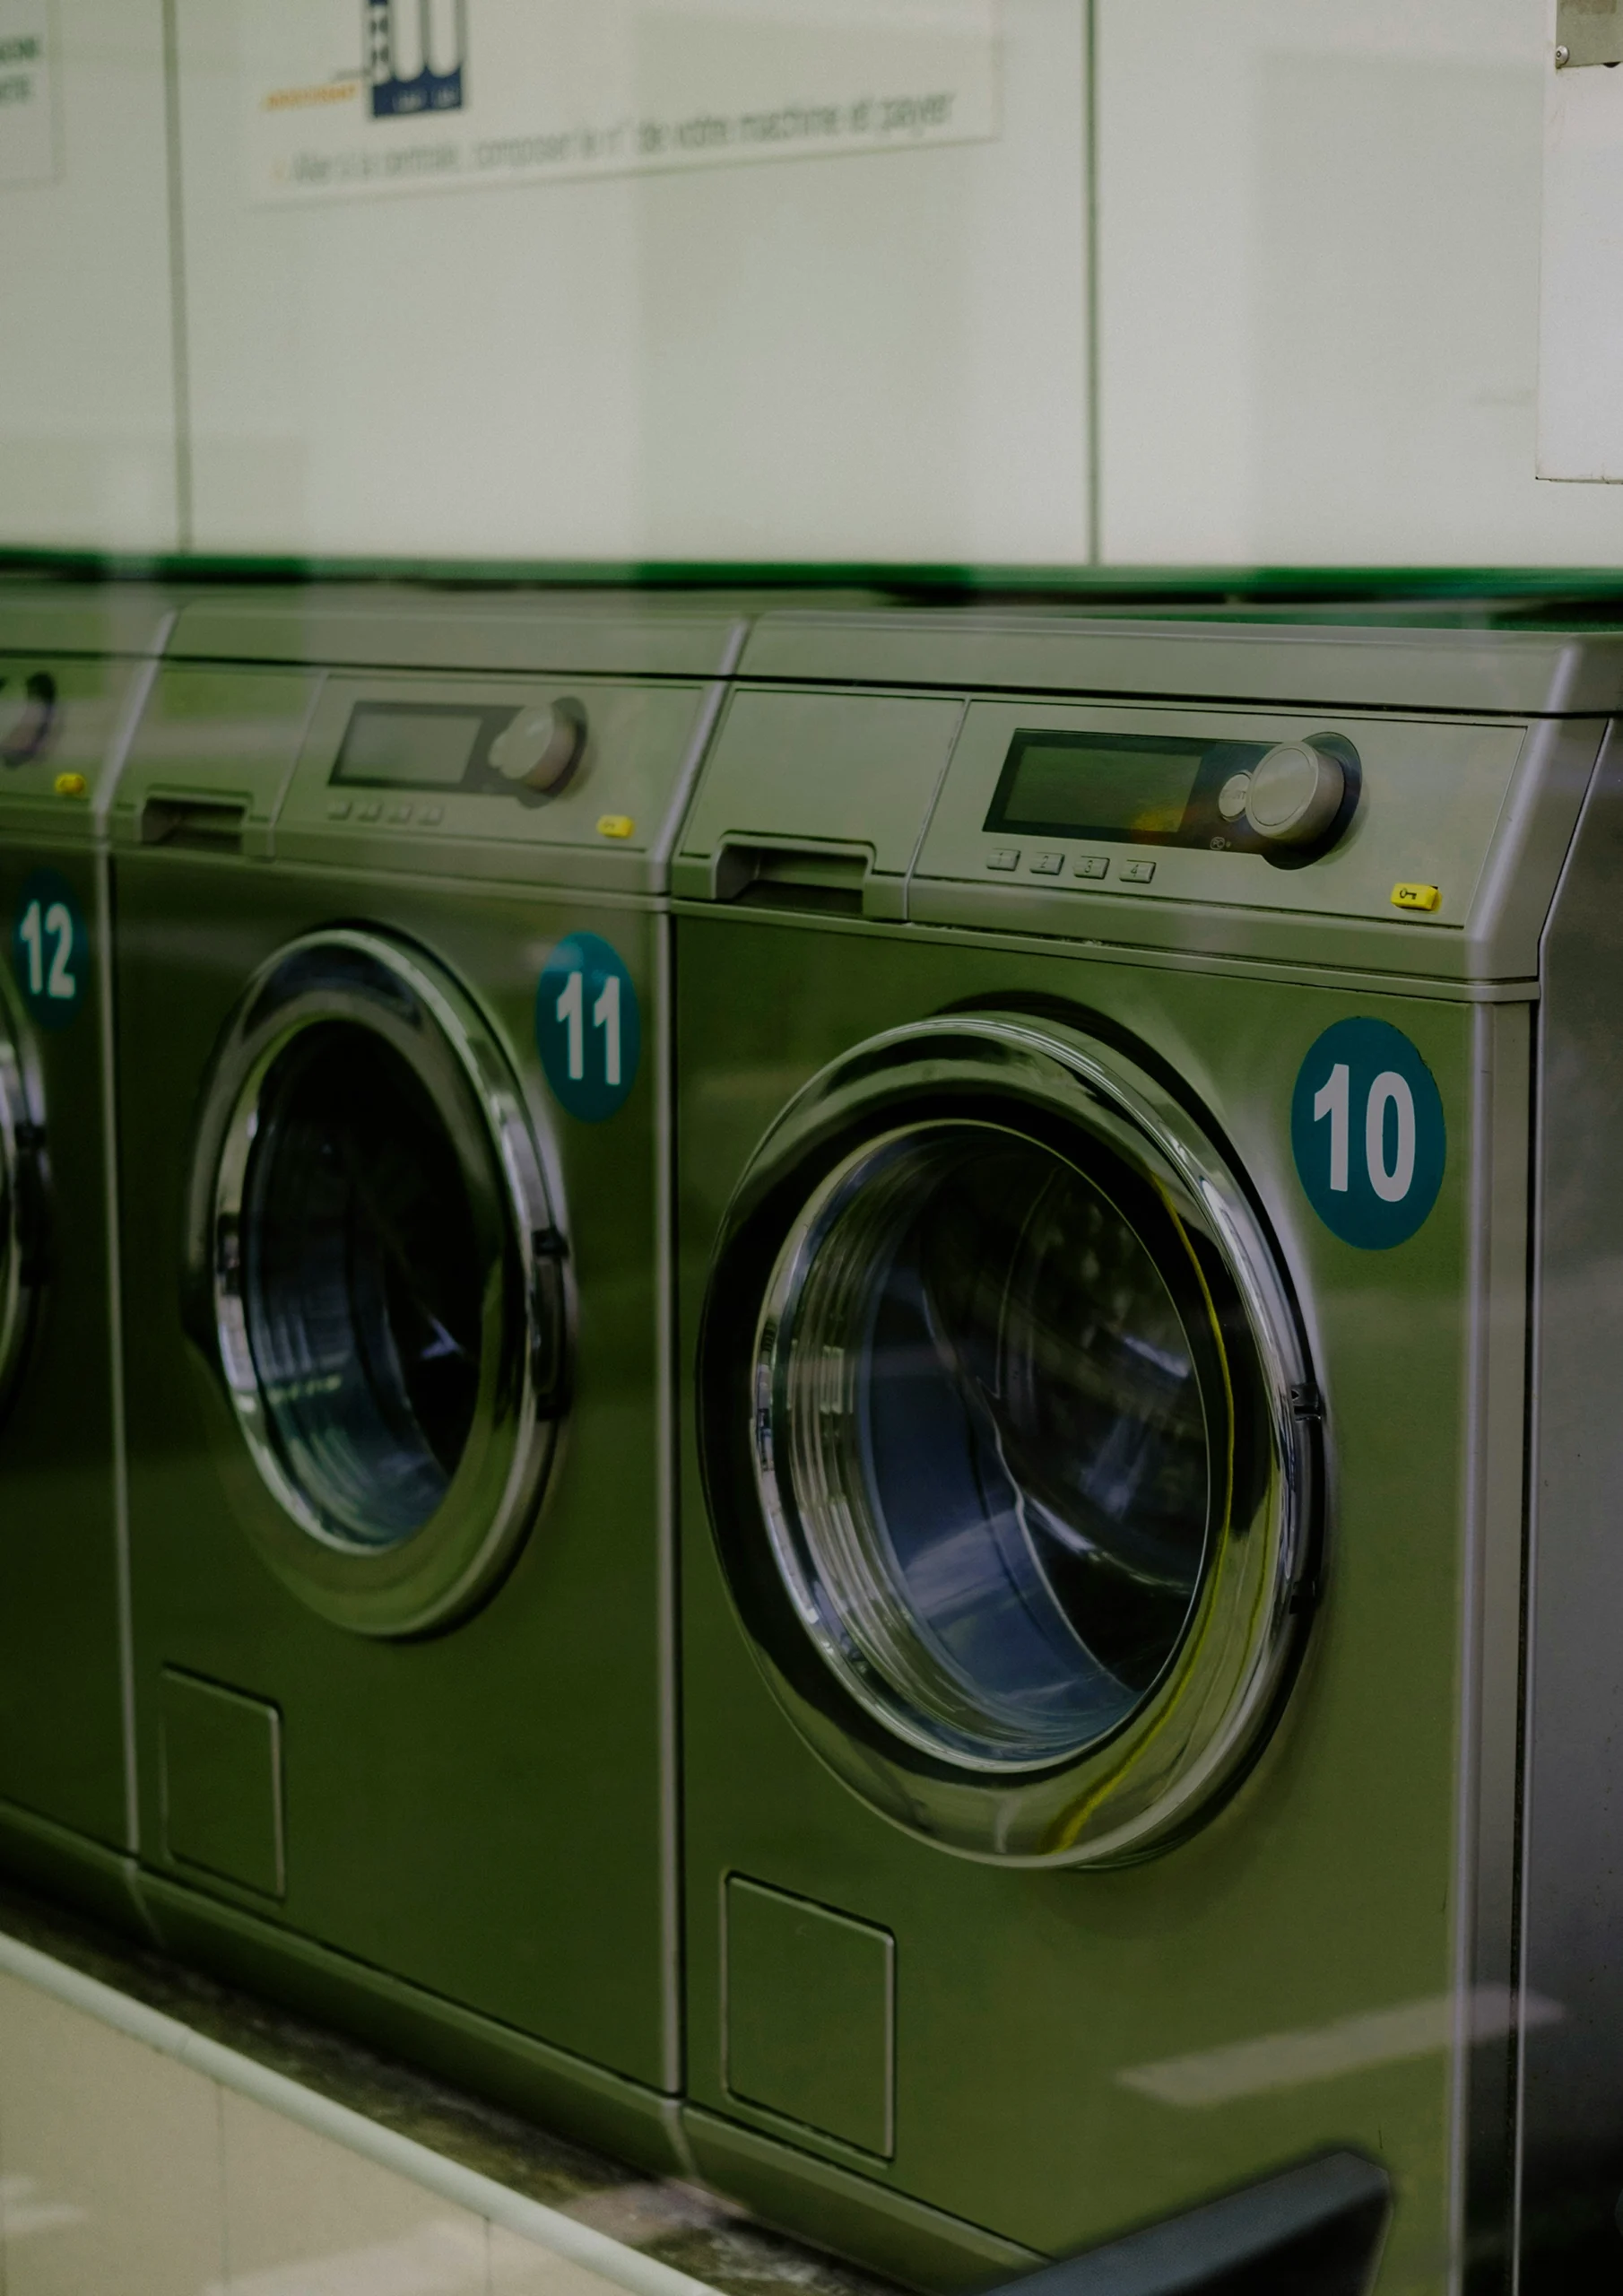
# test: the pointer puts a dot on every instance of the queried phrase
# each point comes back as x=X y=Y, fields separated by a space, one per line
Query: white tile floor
x=127 y=2172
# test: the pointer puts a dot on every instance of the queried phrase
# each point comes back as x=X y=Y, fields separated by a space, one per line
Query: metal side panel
x=1571 y=2133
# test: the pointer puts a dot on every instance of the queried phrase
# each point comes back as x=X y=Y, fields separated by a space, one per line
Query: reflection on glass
x=1001 y=1468
x=363 y=1283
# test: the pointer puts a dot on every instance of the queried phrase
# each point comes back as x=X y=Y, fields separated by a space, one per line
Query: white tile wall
x=879 y=356
x=1318 y=229
x=1318 y=286
x=87 y=410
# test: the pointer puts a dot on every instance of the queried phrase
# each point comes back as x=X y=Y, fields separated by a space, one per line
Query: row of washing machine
x=834 y=1391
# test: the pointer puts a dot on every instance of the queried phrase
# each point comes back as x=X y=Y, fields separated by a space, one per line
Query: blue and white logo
x=1367 y=1133
x=51 y=950
x=589 y=1028
x=416 y=55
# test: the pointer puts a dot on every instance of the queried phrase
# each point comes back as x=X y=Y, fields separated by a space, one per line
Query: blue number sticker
x=1367 y=1133
x=51 y=950
x=589 y=1031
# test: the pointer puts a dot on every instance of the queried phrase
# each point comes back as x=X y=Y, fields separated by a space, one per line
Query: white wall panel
x=1319 y=286
x=87 y=448
x=877 y=355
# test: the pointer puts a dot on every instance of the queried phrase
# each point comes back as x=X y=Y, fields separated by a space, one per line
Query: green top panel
x=70 y=618
x=559 y=633
x=1513 y=672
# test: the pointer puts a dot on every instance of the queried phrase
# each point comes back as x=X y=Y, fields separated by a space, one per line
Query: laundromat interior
x=810 y=1147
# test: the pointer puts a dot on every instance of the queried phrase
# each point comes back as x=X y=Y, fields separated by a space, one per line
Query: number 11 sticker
x=1367 y=1134
x=589 y=1031
x=51 y=950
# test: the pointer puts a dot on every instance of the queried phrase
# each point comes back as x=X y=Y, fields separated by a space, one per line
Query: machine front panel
x=1077 y=2052
x=477 y=1811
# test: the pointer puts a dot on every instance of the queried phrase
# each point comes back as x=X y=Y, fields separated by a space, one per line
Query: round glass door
x=1008 y=1457
x=384 y=1280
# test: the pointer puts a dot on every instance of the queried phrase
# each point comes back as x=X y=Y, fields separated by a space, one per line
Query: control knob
x=1291 y=796
x=542 y=748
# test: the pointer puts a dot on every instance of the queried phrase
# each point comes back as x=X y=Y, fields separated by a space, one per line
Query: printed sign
x=588 y=1030
x=348 y=96
x=51 y=950
x=28 y=103
x=1367 y=1133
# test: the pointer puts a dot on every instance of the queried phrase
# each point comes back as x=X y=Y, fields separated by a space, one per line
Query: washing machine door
x=376 y=1269
x=1010 y=1442
x=22 y=1199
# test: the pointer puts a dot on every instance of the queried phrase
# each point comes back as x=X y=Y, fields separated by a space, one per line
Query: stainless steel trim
x=1151 y=1780
x=405 y=997
x=699 y=750
x=140 y=690
x=22 y=1186
x=666 y=1438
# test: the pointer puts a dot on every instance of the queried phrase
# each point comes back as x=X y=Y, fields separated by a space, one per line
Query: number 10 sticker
x=589 y=1031
x=1367 y=1134
x=51 y=950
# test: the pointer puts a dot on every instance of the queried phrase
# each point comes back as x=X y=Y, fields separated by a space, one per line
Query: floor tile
x=109 y=2159
x=305 y=2216
x=521 y=2268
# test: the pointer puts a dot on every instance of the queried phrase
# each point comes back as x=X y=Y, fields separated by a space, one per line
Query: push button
x=372 y=811
x=1004 y=857
x=432 y=816
x=1137 y=872
x=338 y=809
x=1093 y=864
x=1047 y=864
x=400 y=812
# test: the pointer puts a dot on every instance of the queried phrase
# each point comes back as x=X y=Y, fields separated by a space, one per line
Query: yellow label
x=615 y=825
x=70 y=785
x=1415 y=896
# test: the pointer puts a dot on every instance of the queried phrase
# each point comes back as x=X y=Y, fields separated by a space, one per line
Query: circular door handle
x=542 y=748
x=1294 y=793
x=28 y=718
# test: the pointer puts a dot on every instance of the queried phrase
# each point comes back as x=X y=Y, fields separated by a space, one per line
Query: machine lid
x=537 y=633
x=1513 y=672
x=1008 y=1442
x=376 y=1269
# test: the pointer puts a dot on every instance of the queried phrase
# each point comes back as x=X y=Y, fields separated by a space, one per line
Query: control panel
x=503 y=776
x=1048 y=807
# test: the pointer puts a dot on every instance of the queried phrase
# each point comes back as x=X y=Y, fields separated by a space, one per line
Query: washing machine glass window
x=382 y=1279
x=1004 y=1506
x=362 y=1277
x=1010 y=1441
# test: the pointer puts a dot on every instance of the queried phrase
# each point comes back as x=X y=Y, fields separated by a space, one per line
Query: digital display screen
x=389 y=746
x=1096 y=785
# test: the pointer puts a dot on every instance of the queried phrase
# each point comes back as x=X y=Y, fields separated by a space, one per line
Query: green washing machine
x=75 y=663
x=1151 y=1270
x=392 y=975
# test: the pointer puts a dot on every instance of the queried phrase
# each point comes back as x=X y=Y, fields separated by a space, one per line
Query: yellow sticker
x=1415 y=896
x=615 y=825
x=70 y=785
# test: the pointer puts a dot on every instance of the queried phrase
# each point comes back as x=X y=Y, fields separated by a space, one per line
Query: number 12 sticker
x=1367 y=1133
x=51 y=950
x=589 y=1031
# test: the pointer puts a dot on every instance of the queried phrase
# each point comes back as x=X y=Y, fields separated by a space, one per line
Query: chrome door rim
x=404 y=996
x=1152 y=1780
x=22 y=1179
